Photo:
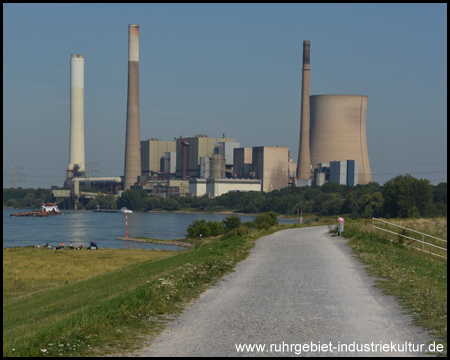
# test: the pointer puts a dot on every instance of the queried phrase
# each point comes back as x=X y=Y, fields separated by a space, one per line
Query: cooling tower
x=304 y=159
x=338 y=131
x=76 y=145
x=133 y=141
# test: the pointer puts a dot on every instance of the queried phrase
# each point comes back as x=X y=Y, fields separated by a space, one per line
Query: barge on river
x=47 y=209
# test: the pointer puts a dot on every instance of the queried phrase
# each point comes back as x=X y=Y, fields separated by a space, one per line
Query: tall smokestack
x=133 y=138
x=304 y=157
x=76 y=146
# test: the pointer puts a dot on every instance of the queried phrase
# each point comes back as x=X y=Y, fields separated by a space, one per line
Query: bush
x=249 y=224
x=264 y=221
x=231 y=222
x=215 y=227
x=198 y=227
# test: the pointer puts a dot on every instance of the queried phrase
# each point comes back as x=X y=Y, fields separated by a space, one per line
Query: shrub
x=231 y=222
x=198 y=227
x=215 y=227
x=249 y=224
x=264 y=221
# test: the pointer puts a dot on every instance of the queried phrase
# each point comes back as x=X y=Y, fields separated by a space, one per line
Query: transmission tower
x=15 y=175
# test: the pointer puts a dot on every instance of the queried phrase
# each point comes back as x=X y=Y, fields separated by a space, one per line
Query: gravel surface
x=298 y=286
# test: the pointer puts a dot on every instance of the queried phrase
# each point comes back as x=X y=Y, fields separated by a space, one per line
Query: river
x=81 y=227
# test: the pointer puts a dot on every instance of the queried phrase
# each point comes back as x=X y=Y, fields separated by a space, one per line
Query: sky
x=232 y=69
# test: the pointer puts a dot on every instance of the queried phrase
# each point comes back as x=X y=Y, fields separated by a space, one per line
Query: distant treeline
x=403 y=196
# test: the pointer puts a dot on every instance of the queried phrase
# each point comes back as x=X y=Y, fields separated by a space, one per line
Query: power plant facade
x=338 y=131
x=152 y=152
x=304 y=159
x=76 y=146
x=332 y=131
x=133 y=142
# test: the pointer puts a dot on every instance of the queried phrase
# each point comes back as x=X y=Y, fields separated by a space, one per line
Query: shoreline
x=162 y=242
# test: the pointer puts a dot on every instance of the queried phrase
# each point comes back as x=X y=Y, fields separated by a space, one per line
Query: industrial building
x=271 y=164
x=338 y=131
x=344 y=172
x=242 y=165
x=159 y=156
x=216 y=187
x=164 y=187
x=190 y=150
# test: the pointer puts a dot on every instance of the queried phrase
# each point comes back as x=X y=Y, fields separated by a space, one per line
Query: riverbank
x=143 y=239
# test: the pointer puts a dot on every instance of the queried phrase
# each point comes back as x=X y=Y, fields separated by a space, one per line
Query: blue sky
x=227 y=68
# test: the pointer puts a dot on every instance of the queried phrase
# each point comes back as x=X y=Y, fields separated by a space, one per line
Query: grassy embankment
x=418 y=280
x=110 y=311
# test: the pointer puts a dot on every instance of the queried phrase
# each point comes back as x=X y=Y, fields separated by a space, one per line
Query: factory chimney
x=133 y=141
x=304 y=158
x=76 y=145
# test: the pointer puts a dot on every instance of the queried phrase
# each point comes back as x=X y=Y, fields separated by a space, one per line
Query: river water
x=81 y=227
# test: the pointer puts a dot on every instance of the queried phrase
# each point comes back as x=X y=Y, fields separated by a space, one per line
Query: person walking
x=340 y=225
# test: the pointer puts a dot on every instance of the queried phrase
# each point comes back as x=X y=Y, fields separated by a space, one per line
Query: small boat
x=126 y=211
x=47 y=209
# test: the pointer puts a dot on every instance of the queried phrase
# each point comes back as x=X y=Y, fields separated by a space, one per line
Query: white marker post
x=301 y=217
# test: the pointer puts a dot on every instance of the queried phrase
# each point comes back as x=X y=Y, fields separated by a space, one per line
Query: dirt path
x=298 y=286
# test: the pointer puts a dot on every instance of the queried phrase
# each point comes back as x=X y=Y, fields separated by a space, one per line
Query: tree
x=133 y=199
x=170 y=204
x=405 y=192
x=152 y=202
x=253 y=201
x=440 y=193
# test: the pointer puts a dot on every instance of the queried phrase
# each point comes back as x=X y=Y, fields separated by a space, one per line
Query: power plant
x=132 y=167
x=76 y=145
x=332 y=147
x=332 y=128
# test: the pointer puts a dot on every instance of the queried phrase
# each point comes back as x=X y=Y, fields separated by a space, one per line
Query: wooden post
x=32 y=282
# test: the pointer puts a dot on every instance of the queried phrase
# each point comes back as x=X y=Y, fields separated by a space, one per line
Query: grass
x=32 y=270
x=110 y=312
x=418 y=280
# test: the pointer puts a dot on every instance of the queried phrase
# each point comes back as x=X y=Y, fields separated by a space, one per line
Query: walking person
x=340 y=225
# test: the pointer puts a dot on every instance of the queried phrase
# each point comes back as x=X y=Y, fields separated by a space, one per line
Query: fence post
x=423 y=242
x=373 y=221
x=32 y=282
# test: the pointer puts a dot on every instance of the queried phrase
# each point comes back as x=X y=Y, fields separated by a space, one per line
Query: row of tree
x=403 y=196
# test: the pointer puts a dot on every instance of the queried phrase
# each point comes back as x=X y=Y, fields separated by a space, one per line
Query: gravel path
x=298 y=286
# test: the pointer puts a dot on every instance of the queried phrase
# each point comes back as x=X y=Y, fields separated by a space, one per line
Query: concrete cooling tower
x=338 y=131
